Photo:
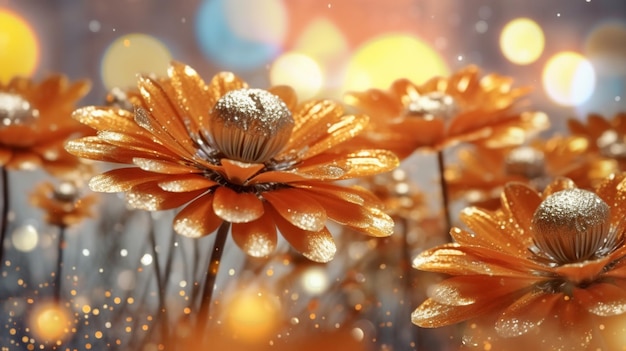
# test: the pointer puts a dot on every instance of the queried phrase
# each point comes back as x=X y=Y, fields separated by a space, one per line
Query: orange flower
x=35 y=123
x=445 y=111
x=481 y=172
x=62 y=204
x=555 y=261
x=250 y=157
x=606 y=137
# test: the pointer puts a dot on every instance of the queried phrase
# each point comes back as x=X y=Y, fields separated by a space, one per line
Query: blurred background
x=572 y=52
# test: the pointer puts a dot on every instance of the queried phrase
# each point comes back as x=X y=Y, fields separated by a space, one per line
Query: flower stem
x=214 y=265
x=5 y=212
x=59 y=266
x=444 y=189
x=161 y=286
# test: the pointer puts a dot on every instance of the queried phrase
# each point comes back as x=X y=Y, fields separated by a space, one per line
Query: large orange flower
x=550 y=262
x=444 y=111
x=480 y=173
x=35 y=122
x=251 y=157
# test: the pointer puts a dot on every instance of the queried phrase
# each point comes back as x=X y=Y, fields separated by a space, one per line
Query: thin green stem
x=444 y=189
x=204 y=314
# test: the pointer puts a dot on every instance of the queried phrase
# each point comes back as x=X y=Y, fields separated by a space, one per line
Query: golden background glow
x=19 y=48
x=522 y=41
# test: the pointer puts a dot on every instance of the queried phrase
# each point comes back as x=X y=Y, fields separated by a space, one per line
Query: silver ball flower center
x=611 y=145
x=572 y=225
x=14 y=110
x=432 y=105
x=525 y=161
x=251 y=125
x=65 y=192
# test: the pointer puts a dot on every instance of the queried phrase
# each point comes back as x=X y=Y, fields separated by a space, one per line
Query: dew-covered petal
x=316 y=246
x=557 y=185
x=432 y=314
x=613 y=191
x=298 y=208
x=122 y=179
x=192 y=95
x=163 y=166
x=221 y=84
x=185 y=183
x=94 y=148
x=487 y=231
x=455 y=259
x=311 y=122
x=603 y=299
x=149 y=196
x=109 y=119
x=370 y=220
x=469 y=289
x=197 y=219
x=520 y=202
x=526 y=313
x=256 y=238
x=236 y=207
x=345 y=128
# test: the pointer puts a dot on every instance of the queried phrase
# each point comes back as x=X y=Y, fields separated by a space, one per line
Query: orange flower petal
x=109 y=119
x=362 y=218
x=149 y=196
x=432 y=314
x=520 y=202
x=287 y=94
x=613 y=191
x=94 y=148
x=239 y=172
x=557 y=185
x=192 y=94
x=257 y=238
x=221 y=84
x=335 y=132
x=467 y=290
x=316 y=246
x=236 y=207
x=603 y=299
x=487 y=233
x=311 y=122
x=163 y=166
x=526 y=313
x=197 y=219
x=298 y=208
x=122 y=179
x=185 y=183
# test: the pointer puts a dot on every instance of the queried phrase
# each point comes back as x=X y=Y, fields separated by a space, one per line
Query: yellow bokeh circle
x=133 y=54
x=387 y=58
x=299 y=71
x=522 y=41
x=19 y=47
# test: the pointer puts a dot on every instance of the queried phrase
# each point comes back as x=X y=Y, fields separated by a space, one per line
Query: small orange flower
x=251 y=157
x=445 y=111
x=554 y=261
x=606 y=137
x=62 y=204
x=35 y=123
x=481 y=172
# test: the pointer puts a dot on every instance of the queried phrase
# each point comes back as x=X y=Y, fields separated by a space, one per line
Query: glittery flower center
x=525 y=161
x=572 y=225
x=432 y=105
x=14 y=110
x=250 y=125
x=611 y=145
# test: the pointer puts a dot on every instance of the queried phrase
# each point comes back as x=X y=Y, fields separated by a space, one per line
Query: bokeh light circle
x=19 y=47
x=241 y=35
x=522 y=41
x=299 y=71
x=50 y=322
x=387 y=58
x=252 y=316
x=568 y=78
x=25 y=238
x=130 y=55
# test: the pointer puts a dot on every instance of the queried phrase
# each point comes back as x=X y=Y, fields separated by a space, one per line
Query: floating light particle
x=146 y=259
x=85 y=252
x=123 y=252
x=568 y=78
x=315 y=280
